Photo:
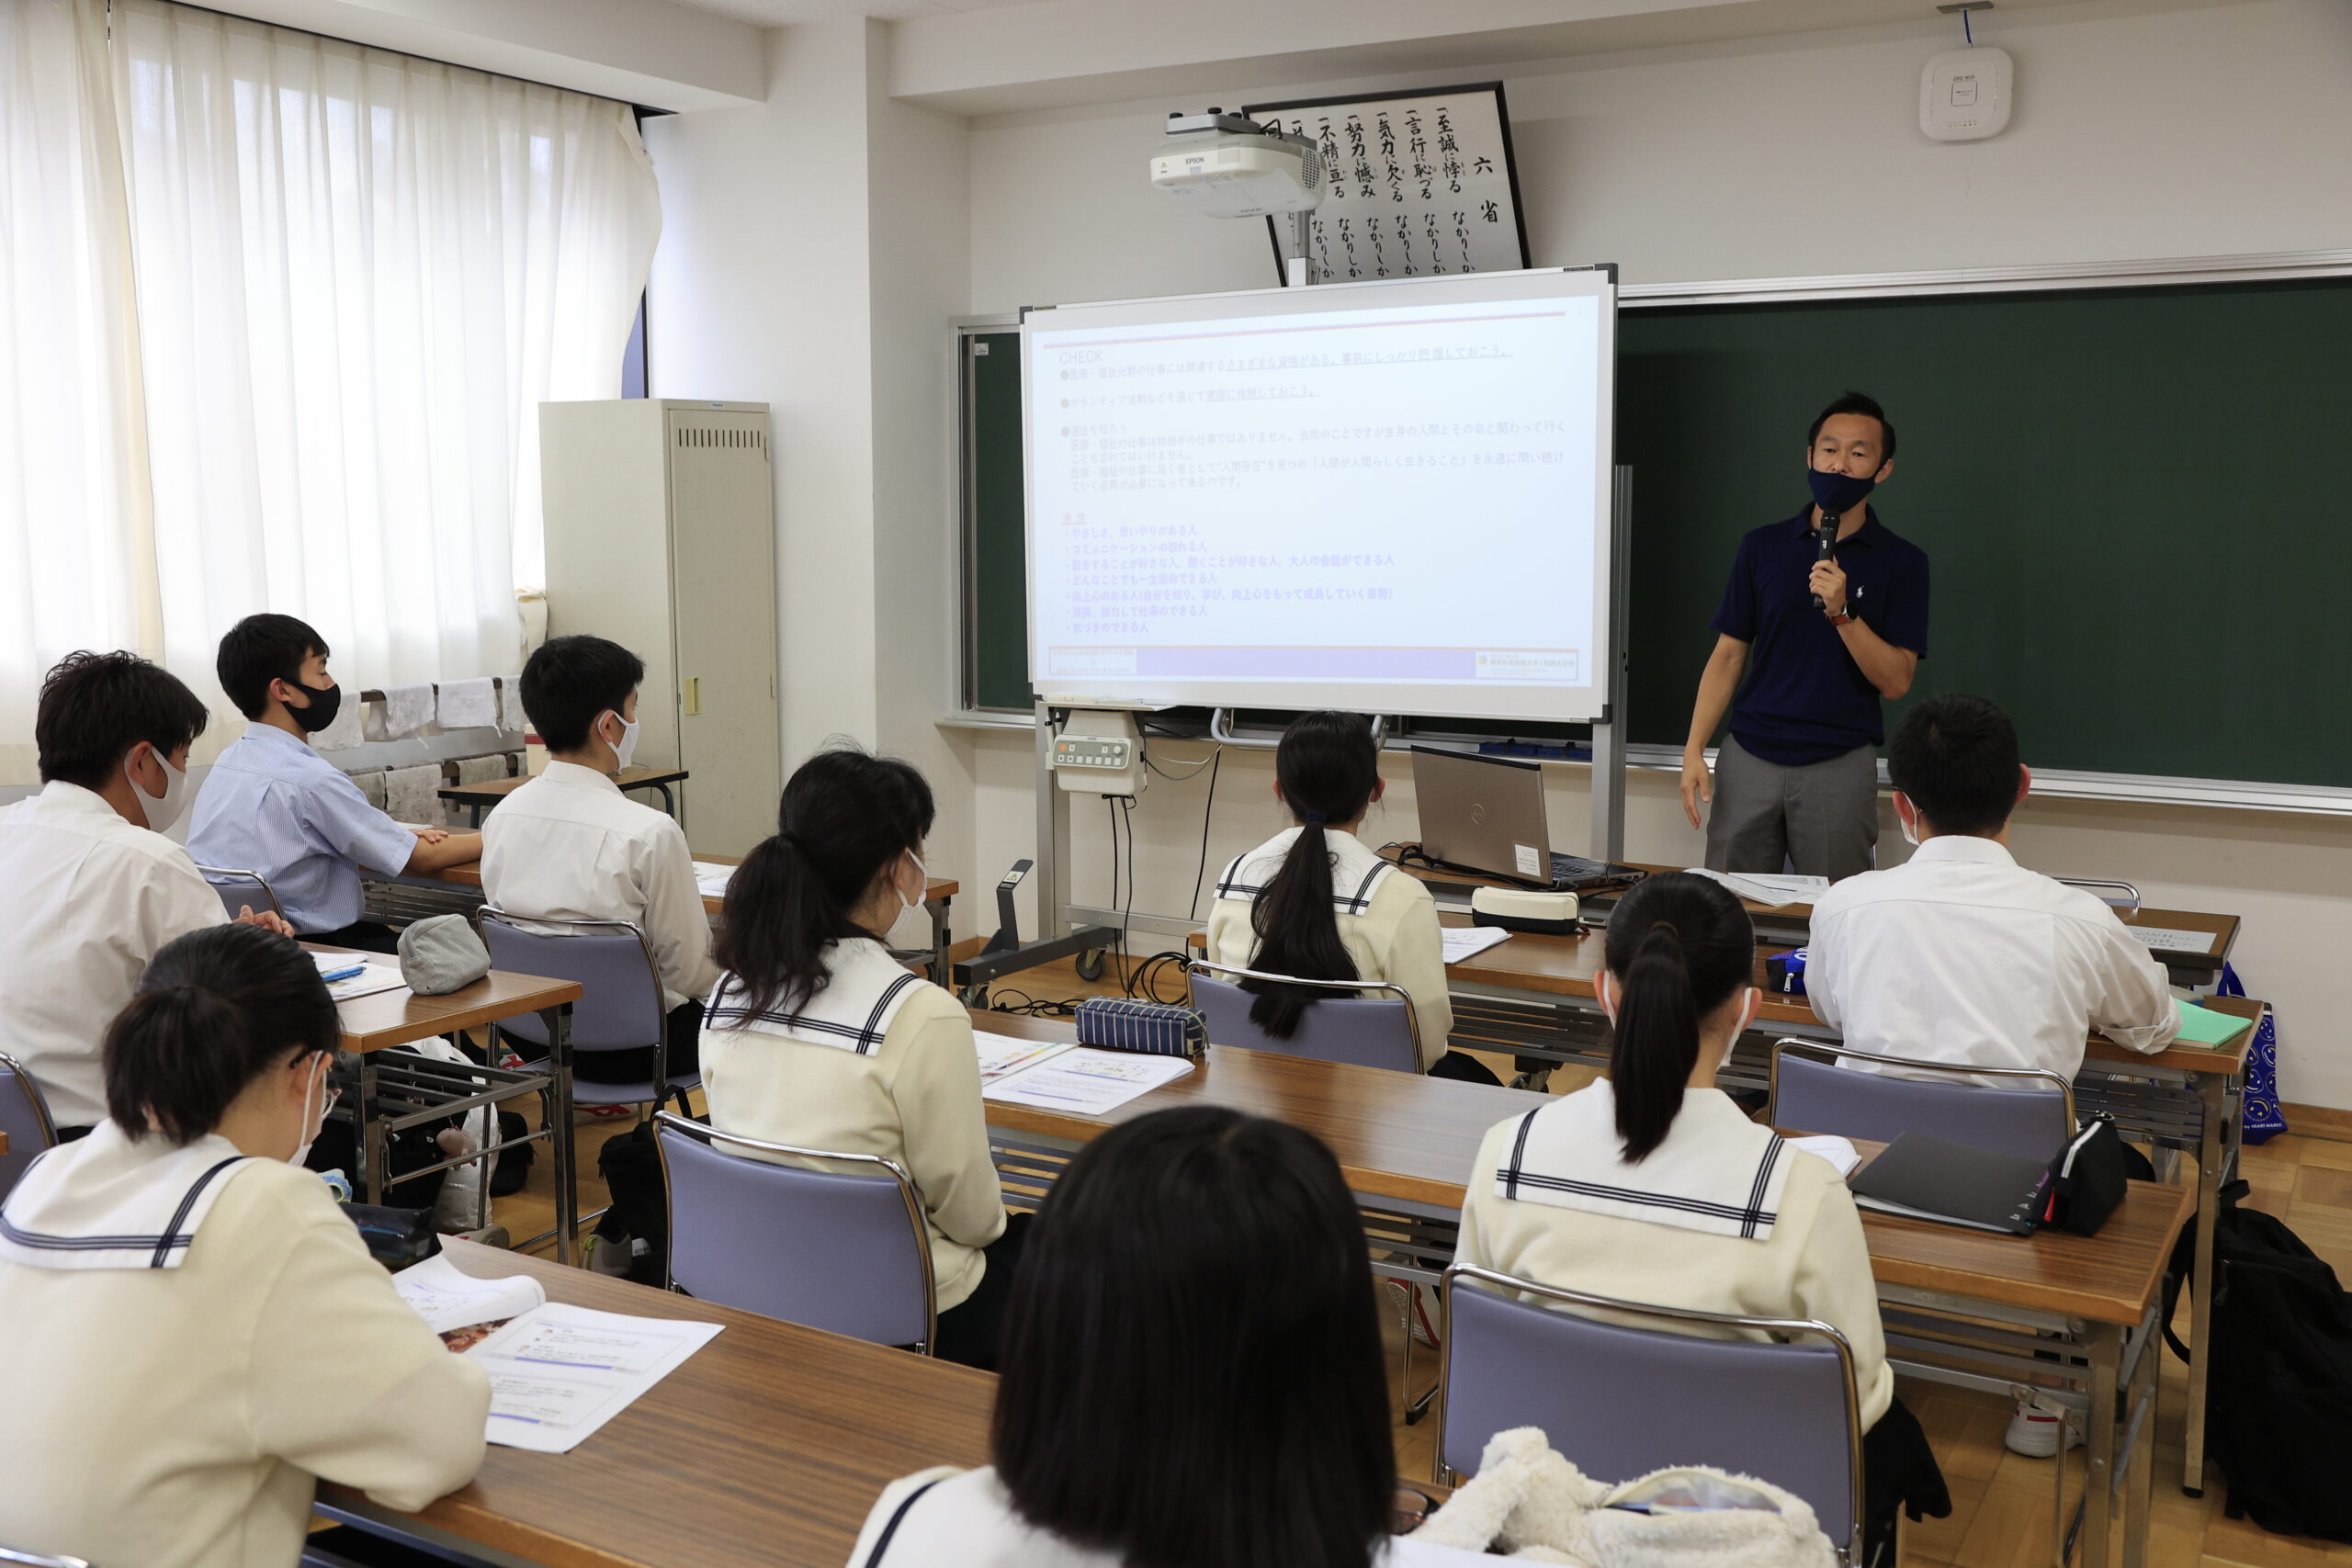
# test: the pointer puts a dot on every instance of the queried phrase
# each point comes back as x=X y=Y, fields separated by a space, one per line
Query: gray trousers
x=1822 y=817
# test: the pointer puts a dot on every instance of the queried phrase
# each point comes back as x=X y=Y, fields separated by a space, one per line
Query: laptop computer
x=1485 y=815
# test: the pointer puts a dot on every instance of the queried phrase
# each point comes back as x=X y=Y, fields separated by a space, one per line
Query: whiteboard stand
x=1609 y=734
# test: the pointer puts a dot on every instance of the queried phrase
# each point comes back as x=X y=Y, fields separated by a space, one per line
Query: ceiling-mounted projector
x=1228 y=166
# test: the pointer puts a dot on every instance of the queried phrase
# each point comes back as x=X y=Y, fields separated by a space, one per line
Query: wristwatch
x=1842 y=616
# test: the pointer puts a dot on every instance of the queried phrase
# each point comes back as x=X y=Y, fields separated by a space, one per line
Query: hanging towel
x=412 y=796
x=372 y=786
x=467 y=704
x=481 y=770
x=405 y=711
x=510 y=705
x=346 y=731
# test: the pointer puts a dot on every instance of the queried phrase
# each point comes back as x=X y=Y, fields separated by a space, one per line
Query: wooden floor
x=2001 y=1512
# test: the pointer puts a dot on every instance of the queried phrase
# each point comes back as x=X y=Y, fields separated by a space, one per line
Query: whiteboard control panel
x=1099 y=753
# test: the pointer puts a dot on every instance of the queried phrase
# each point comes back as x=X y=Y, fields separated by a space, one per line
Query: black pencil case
x=1150 y=1028
x=2087 y=1179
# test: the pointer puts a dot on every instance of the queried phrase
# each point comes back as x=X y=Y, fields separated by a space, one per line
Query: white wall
x=2142 y=131
x=814 y=248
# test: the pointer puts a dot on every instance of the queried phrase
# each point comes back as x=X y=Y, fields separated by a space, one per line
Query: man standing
x=1832 y=631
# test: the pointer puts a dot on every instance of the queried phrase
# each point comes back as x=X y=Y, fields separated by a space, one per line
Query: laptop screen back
x=1483 y=813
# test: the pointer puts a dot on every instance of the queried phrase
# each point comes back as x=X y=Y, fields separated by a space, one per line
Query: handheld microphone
x=1828 y=539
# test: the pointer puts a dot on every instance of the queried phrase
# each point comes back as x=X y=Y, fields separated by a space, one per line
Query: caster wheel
x=1090 y=964
x=972 y=995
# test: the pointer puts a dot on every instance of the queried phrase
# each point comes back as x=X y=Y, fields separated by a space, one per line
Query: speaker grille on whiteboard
x=723 y=437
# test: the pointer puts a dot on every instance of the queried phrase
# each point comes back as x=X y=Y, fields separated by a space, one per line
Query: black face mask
x=1839 y=493
x=324 y=706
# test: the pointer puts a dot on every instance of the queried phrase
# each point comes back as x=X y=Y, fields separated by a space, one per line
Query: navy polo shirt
x=1804 y=699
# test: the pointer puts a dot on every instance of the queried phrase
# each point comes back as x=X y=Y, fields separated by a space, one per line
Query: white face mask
x=164 y=809
x=1910 y=828
x=922 y=876
x=312 y=1128
x=626 y=747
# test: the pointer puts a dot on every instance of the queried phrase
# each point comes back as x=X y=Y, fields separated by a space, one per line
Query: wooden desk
x=1787 y=925
x=1415 y=1139
x=481 y=797
x=409 y=1090
x=765 y=1449
x=401 y=1018
x=1410 y=1143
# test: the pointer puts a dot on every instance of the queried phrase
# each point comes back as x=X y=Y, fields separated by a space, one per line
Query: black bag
x=631 y=1168
x=2278 y=1375
x=514 y=1158
x=410 y=1149
x=395 y=1237
x=2086 y=1179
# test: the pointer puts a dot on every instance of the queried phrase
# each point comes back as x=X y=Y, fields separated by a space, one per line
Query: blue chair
x=620 y=1001
x=242 y=890
x=1618 y=1401
x=1812 y=1091
x=1367 y=1022
x=620 y=1010
x=839 y=1250
x=23 y=1116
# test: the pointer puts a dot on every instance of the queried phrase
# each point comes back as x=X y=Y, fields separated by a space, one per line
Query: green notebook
x=2203 y=1026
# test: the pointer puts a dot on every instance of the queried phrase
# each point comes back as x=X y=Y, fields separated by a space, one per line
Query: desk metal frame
x=398 y=1089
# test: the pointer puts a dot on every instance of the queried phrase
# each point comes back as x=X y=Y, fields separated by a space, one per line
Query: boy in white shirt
x=93 y=887
x=569 y=845
x=1960 y=955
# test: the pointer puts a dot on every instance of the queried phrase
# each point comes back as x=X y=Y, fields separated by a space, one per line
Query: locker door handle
x=693 y=696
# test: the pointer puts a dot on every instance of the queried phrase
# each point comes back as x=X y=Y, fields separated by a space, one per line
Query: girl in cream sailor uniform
x=1313 y=902
x=1387 y=922
x=194 y=1332
x=881 y=1062
x=1650 y=1186
x=815 y=1036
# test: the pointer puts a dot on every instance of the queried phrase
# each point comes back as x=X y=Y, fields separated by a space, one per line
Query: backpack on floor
x=2279 y=1380
x=636 y=1227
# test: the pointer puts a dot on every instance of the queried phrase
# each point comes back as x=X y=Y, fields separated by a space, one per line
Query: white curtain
x=72 y=496
x=276 y=314
x=360 y=274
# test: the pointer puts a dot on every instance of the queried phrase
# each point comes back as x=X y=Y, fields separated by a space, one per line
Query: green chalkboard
x=2135 y=501
x=999 y=643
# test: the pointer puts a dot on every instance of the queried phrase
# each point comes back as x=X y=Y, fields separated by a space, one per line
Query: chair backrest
x=848 y=1253
x=621 y=986
x=23 y=1116
x=1620 y=1400
x=1374 y=1031
x=240 y=891
x=1812 y=1092
x=2114 y=895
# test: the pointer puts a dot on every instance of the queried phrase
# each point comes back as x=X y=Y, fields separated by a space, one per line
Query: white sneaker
x=2034 y=1429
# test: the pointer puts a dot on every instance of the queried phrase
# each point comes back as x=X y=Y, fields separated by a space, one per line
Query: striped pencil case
x=1151 y=1029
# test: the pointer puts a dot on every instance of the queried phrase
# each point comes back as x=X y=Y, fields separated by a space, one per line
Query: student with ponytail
x=195 y=1331
x=1313 y=902
x=817 y=1037
x=1650 y=1185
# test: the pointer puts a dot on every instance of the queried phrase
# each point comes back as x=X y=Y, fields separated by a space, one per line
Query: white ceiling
x=779 y=13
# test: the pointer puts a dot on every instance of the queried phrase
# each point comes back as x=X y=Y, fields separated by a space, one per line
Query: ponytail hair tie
x=1313 y=818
